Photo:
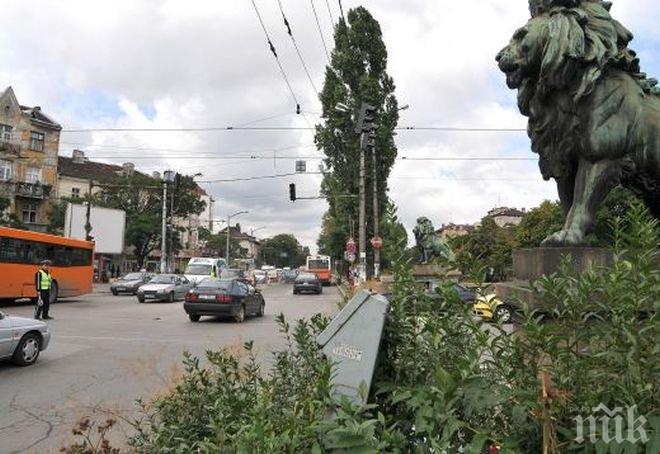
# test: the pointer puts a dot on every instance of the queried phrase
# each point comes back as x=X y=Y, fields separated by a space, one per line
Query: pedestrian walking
x=43 y=281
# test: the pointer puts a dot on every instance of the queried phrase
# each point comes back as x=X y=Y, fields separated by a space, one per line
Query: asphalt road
x=107 y=351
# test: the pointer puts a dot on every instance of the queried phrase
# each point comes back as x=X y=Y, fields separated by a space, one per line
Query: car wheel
x=54 y=292
x=295 y=292
x=240 y=317
x=170 y=299
x=114 y=292
x=140 y=300
x=503 y=314
x=28 y=350
x=193 y=317
x=262 y=309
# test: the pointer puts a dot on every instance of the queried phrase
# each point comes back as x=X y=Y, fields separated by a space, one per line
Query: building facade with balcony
x=29 y=144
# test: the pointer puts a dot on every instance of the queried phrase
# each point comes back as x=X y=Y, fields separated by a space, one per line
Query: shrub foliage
x=445 y=381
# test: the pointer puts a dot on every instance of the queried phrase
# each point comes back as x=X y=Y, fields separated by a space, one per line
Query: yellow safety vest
x=44 y=280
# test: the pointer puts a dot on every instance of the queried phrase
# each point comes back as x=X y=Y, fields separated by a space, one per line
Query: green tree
x=357 y=74
x=6 y=219
x=283 y=250
x=488 y=245
x=140 y=196
x=538 y=223
x=217 y=244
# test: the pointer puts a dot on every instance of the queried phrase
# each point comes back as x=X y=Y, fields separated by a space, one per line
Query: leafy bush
x=445 y=381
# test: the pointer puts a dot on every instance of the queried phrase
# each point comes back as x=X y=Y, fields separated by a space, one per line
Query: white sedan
x=22 y=339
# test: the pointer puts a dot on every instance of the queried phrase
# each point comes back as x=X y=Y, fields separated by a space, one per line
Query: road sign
x=377 y=242
x=350 y=246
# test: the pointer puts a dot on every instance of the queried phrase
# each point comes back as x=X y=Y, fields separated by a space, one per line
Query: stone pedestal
x=531 y=264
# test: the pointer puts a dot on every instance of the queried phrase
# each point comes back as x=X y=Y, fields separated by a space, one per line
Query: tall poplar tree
x=357 y=74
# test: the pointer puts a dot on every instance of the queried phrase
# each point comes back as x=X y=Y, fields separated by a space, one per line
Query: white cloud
x=199 y=63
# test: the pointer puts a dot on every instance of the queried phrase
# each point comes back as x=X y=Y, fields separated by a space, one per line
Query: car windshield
x=318 y=264
x=199 y=269
x=306 y=278
x=214 y=284
x=132 y=277
x=162 y=279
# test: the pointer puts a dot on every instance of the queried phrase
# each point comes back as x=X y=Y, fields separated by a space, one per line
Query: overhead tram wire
x=279 y=65
x=286 y=128
x=318 y=25
x=332 y=19
x=295 y=45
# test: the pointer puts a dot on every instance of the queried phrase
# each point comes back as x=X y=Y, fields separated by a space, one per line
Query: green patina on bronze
x=430 y=245
x=594 y=117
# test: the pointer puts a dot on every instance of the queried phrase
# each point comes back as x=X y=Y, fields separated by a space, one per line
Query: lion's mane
x=584 y=43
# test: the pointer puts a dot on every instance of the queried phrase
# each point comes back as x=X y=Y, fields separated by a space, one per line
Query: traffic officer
x=43 y=281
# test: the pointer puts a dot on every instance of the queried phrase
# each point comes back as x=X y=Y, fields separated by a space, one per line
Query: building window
x=75 y=192
x=29 y=213
x=37 y=140
x=5 y=132
x=33 y=175
x=5 y=170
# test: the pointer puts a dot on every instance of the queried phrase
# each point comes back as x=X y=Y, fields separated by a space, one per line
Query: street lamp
x=256 y=230
x=168 y=178
x=228 y=232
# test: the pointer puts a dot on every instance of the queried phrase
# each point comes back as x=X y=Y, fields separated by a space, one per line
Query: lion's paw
x=564 y=238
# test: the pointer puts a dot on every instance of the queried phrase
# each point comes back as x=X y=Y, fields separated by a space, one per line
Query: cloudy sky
x=205 y=63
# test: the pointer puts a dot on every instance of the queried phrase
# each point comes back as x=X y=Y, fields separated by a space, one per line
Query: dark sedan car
x=224 y=297
x=307 y=283
x=130 y=283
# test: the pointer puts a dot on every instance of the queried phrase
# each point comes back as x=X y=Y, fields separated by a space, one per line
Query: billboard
x=108 y=227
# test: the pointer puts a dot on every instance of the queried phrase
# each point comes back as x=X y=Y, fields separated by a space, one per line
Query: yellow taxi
x=491 y=308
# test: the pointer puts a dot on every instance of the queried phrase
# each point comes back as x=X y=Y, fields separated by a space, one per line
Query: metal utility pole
x=168 y=177
x=376 y=223
x=363 y=127
x=88 y=214
x=362 y=217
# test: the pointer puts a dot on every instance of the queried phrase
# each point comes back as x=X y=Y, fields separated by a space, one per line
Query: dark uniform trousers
x=41 y=311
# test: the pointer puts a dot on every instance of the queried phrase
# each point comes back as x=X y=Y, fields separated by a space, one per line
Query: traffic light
x=366 y=116
x=292 y=192
x=371 y=141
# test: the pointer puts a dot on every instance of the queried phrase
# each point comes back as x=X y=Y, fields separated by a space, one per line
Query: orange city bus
x=321 y=266
x=21 y=252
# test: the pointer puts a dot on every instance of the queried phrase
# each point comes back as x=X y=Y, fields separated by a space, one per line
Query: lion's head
x=564 y=46
x=423 y=229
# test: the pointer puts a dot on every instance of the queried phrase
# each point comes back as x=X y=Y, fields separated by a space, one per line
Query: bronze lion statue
x=594 y=117
x=429 y=244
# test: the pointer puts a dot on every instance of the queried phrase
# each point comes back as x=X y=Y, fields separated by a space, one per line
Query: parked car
x=289 y=276
x=260 y=277
x=130 y=283
x=164 y=287
x=490 y=307
x=232 y=273
x=307 y=283
x=224 y=297
x=22 y=339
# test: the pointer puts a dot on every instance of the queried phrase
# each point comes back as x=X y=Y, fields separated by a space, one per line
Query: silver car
x=22 y=339
x=164 y=287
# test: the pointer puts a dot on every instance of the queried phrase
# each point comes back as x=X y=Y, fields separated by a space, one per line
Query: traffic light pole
x=163 y=235
x=376 y=223
x=362 y=217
